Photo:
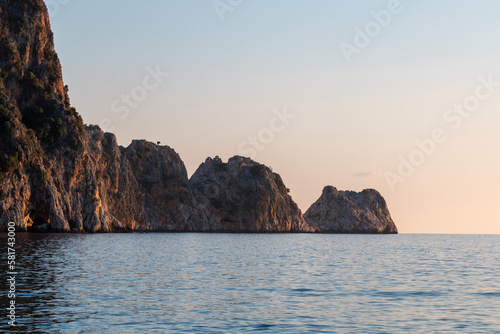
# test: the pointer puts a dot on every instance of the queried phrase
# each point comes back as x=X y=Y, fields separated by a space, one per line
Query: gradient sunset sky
x=234 y=64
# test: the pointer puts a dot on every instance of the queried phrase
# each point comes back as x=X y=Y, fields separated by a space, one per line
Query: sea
x=246 y=283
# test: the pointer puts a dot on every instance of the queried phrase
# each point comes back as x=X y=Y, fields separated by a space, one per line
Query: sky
x=399 y=96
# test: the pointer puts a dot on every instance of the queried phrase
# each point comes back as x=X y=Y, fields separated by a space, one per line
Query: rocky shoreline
x=58 y=175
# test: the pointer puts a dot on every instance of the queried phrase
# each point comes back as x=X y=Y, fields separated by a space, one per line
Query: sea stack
x=365 y=212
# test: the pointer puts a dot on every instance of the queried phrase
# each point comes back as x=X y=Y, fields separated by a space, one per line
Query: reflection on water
x=208 y=283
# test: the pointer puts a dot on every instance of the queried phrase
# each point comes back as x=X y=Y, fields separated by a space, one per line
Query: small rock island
x=351 y=212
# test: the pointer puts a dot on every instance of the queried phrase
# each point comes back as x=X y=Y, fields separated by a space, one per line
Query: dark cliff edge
x=58 y=175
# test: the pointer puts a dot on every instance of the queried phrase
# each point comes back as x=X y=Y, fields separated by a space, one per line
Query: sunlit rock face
x=44 y=160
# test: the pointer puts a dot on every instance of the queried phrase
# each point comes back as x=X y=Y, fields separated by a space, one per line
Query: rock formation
x=43 y=156
x=245 y=196
x=350 y=212
x=59 y=175
x=56 y=174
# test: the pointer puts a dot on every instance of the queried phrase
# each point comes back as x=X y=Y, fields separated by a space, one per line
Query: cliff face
x=245 y=196
x=43 y=155
x=144 y=186
x=58 y=175
x=350 y=212
x=164 y=190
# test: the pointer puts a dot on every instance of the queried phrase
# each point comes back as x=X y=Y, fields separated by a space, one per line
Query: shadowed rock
x=350 y=212
x=245 y=196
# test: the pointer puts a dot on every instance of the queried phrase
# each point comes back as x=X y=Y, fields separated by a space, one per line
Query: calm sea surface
x=230 y=283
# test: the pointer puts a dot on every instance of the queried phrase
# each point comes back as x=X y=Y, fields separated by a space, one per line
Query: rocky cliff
x=59 y=175
x=350 y=212
x=43 y=155
x=56 y=174
x=245 y=196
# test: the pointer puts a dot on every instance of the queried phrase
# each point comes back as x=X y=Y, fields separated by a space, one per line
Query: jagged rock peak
x=213 y=160
x=330 y=189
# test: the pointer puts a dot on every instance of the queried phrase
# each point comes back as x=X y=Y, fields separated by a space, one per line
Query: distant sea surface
x=244 y=283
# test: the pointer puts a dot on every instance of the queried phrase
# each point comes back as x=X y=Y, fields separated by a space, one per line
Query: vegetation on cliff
x=58 y=175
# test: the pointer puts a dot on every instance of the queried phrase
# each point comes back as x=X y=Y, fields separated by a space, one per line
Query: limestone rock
x=163 y=188
x=43 y=156
x=245 y=196
x=57 y=175
x=350 y=212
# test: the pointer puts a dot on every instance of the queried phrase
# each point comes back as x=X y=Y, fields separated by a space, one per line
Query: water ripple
x=206 y=283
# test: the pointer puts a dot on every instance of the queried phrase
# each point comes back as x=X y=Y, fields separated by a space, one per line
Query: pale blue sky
x=226 y=77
